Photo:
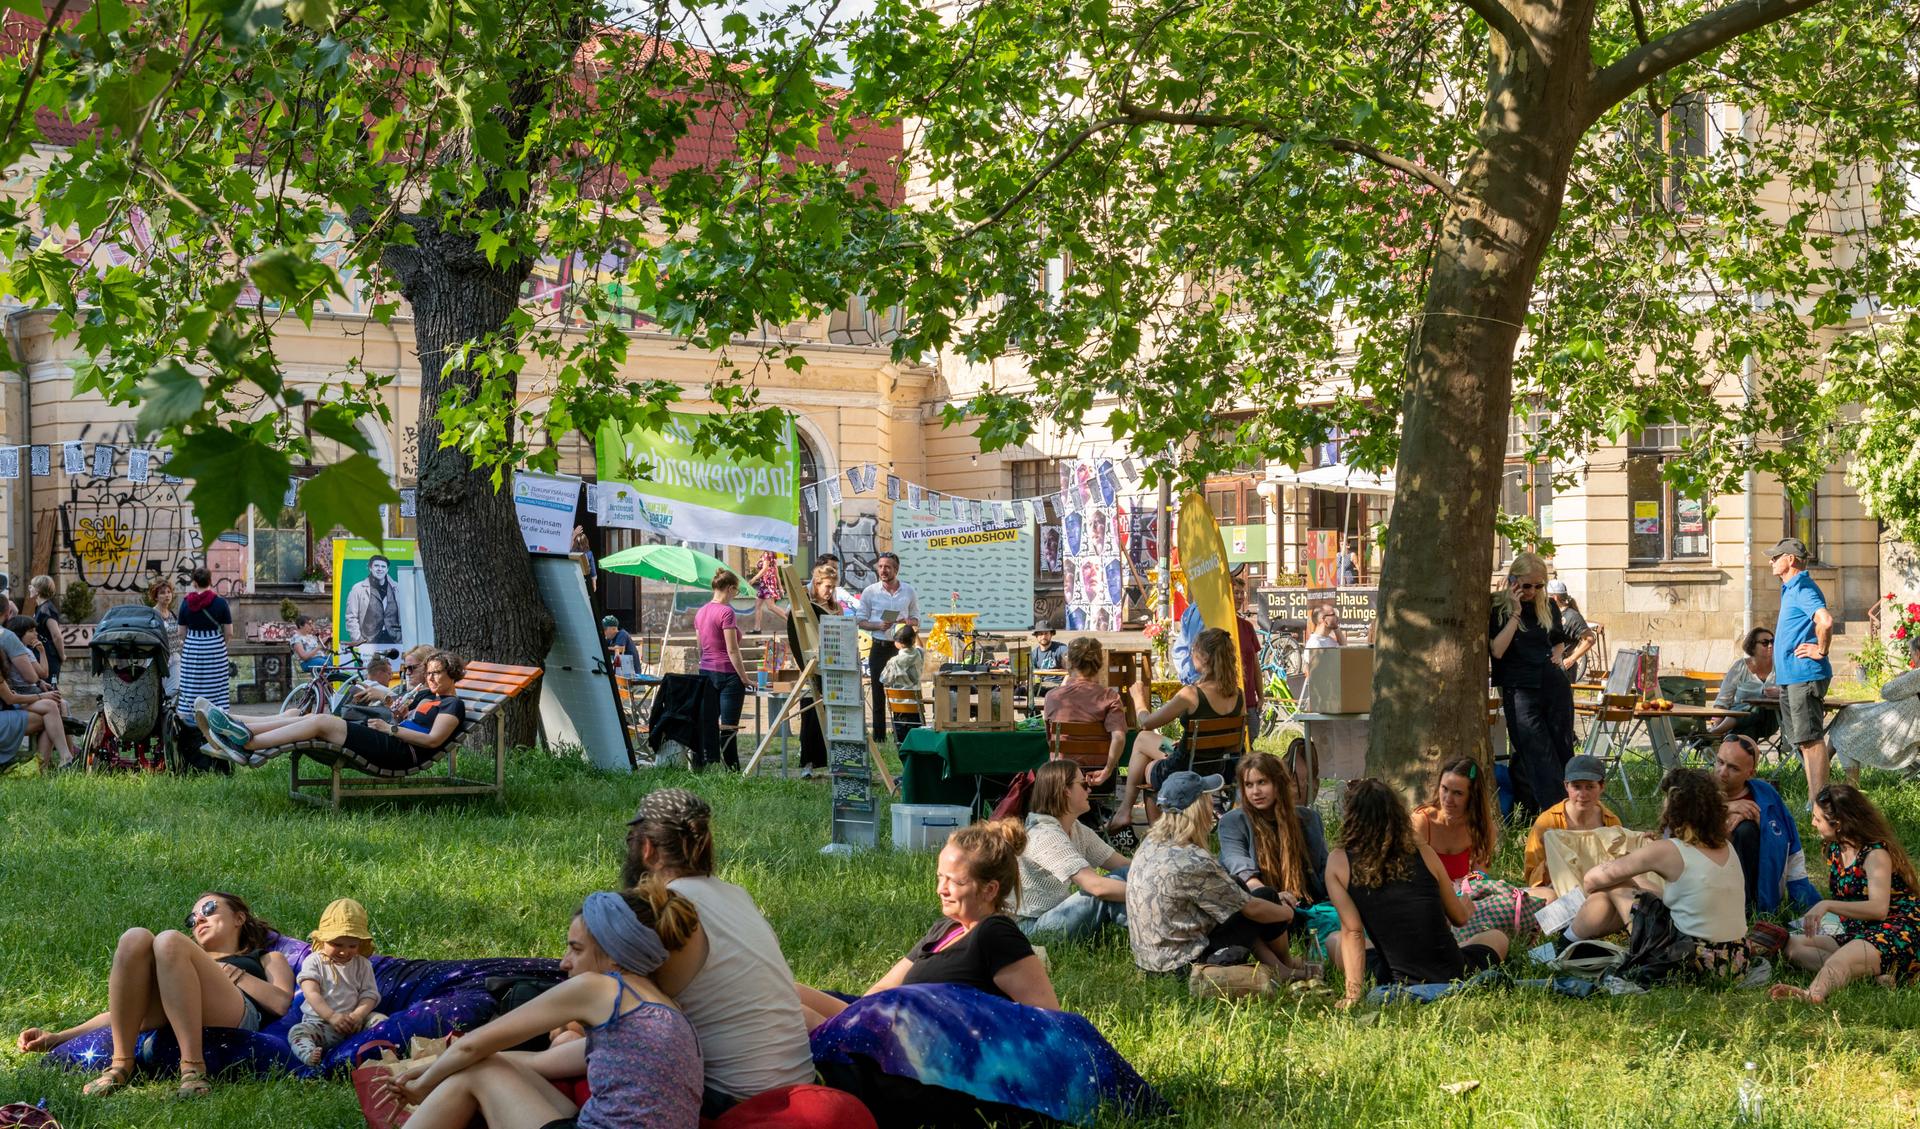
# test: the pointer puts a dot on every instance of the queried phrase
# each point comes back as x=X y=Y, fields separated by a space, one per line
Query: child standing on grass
x=336 y=980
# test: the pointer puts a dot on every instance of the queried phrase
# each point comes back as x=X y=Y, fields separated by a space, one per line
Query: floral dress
x=1896 y=936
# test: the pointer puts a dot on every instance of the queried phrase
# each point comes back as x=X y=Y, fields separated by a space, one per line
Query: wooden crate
x=982 y=701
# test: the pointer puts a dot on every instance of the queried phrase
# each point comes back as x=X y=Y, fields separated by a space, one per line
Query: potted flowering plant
x=313 y=581
x=1905 y=624
x=1159 y=641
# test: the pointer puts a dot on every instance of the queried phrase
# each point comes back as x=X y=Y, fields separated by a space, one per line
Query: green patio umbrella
x=675 y=564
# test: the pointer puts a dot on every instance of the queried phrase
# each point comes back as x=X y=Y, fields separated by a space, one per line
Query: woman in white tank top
x=1700 y=877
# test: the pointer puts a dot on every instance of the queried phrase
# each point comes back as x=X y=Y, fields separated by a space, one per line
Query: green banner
x=715 y=498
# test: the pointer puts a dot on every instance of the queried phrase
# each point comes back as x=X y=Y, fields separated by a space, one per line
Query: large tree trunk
x=1430 y=663
x=485 y=605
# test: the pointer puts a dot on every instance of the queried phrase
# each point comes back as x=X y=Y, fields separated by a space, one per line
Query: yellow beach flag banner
x=1203 y=556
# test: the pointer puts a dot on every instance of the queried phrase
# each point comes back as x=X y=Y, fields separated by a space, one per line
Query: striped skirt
x=203 y=671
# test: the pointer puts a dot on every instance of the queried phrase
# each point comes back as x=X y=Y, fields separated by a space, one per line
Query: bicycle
x=318 y=694
x=1279 y=659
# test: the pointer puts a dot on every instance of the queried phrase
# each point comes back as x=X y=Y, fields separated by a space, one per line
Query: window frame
x=1657 y=445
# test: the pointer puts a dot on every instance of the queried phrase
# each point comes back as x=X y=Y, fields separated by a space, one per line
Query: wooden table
x=1616 y=727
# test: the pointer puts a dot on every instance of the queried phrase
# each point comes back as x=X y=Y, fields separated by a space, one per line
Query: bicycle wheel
x=304 y=699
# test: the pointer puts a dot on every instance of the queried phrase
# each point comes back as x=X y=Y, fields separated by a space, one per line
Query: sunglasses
x=205 y=910
x=1527 y=587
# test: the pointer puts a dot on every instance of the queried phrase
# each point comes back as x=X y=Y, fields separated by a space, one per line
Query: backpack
x=1656 y=949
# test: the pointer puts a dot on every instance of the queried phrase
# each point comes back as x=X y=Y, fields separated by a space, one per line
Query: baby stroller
x=133 y=730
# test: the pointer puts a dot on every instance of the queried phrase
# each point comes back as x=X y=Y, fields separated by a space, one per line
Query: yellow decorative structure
x=949 y=629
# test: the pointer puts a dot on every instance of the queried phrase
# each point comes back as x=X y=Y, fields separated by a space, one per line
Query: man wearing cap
x=1574 y=661
x=1580 y=811
x=1761 y=831
x=615 y=639
x=1801 y=639
x=1183 y=908
x=1047 y=654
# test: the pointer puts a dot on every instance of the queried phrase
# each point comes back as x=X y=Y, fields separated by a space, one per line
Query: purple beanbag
x=418 y=997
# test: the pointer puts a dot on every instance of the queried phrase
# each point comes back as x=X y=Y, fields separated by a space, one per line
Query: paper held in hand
x=1555 y=915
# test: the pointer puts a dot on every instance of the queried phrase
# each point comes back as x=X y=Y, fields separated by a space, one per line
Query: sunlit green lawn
x=84 y=858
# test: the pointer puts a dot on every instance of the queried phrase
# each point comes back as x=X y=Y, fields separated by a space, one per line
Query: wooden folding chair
x=1215 y=745
x=1610 y=731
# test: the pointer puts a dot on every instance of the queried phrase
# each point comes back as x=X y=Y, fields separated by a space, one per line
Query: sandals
x=193 y=1080
x=114 y=1077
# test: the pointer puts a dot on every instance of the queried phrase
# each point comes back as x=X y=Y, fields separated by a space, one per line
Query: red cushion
x=574 y=1089
x=796 y=1107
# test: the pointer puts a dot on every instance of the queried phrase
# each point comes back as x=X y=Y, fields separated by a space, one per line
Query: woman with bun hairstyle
x=641 y=1057
x=976 y=942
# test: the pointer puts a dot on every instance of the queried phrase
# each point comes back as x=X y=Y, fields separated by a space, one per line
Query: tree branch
x=1046 y=171
x=1426 y=174
x=1503 y=22
x=1708 y=33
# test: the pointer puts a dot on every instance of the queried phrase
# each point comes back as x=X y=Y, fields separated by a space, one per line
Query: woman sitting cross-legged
x=641 y=1057
x=974 y=943
x=1874 y=894
x=1392 y=891
x=1183 y=908
x=1269 y=844
x=219 y=973
x=401 y=747
x=1061 y=888
x=1704 y=891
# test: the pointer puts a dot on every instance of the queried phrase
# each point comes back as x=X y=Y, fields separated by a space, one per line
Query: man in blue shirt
x=1801 y=638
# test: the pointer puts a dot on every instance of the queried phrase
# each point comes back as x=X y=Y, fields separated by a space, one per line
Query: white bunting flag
x=833 y=490
x=853 y=479
x=913 y=495
x=893 y=488
x=9 y=462
x=410 y=500
x=807 y=496
x=292 y=496
x=72 y=460
x=139 y=461
x=42 y=460
x=869 y=478
x=103 y=460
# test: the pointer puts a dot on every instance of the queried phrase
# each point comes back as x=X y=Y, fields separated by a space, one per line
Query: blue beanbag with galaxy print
x=418 y=997
x=942 y=1054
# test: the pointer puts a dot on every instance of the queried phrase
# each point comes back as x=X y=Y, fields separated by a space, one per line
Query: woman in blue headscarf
x=640 y=1056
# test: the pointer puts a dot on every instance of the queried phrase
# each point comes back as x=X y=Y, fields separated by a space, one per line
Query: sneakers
x=200 y=707
x=228 y=737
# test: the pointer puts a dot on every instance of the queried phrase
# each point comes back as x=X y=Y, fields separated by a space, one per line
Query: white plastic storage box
x=925 y=827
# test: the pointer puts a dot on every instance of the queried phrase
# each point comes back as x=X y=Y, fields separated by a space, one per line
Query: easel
x=806 y=630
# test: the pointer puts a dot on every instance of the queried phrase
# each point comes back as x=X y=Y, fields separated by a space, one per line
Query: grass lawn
x=85 y=858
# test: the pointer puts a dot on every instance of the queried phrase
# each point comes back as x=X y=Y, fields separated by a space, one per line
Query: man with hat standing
x=1802 y=637
x=1576 y=625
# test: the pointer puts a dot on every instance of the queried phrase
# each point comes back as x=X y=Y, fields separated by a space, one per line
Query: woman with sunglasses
x=1749 y=680
x=1527 y=639
x=395 y=746
x=216 y=972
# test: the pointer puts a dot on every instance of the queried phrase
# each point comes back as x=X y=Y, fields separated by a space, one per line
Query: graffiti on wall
x=116 y=534
x=854 y=541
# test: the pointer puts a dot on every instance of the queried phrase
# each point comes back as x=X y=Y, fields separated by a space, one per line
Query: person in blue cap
x=1183 y=908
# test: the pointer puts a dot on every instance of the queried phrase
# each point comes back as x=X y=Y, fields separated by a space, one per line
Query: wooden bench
x=484 y=689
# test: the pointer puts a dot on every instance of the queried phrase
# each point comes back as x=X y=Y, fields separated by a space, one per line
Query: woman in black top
x=974 y=943
x=219 y=973
x=46 y=619
x=396 y=746
x=1391 y=890
x=1526 y=639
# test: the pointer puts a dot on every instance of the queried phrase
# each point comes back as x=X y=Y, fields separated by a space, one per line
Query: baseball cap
x=1584 y=767
x=609 y=621
x=1181 y=790
x=1787 y=545
x=1556 y=587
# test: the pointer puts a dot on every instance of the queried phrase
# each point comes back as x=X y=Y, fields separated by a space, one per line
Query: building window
x=1803 y=521
x=1035 y=478
x=281 y=551
x=1526 y=489
x=1663 y=525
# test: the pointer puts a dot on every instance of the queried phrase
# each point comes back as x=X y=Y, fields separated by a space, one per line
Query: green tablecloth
x=941 y=768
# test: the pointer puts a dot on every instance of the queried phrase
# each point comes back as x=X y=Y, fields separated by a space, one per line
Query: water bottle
x=1751 y=1097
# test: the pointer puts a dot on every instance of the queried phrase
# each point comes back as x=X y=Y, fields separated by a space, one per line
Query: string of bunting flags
x=101 y=460
x=866 y=478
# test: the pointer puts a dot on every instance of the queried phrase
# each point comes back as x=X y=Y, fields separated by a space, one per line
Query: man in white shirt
x=886 y=604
